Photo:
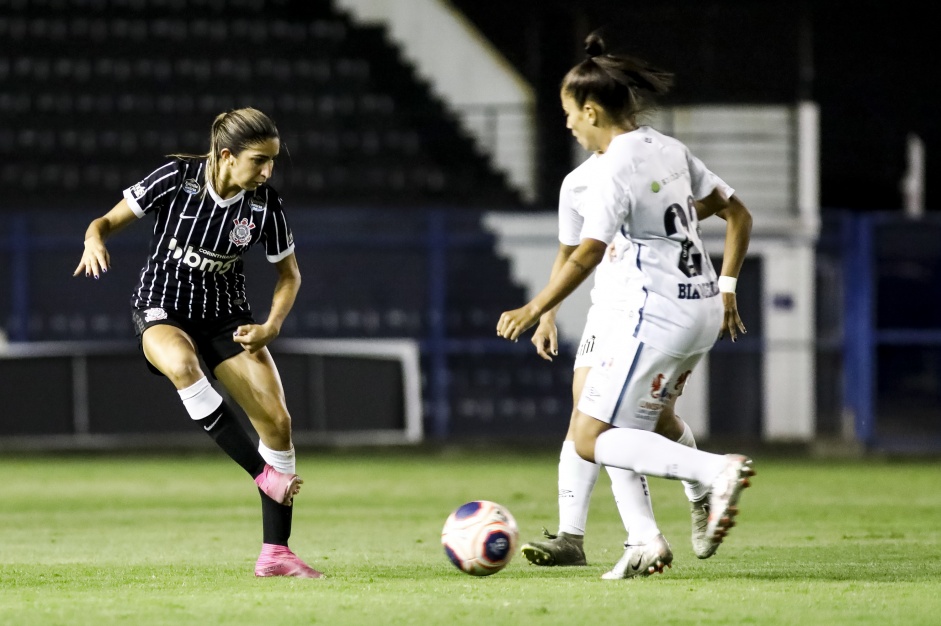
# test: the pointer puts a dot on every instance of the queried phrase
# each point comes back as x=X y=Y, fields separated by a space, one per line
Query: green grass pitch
x=172 y=540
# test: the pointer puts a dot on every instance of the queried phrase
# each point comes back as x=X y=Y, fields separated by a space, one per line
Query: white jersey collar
x=223 y=203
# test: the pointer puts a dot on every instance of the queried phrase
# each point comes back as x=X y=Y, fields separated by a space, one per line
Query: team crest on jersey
x=241 y=235
x=153 y=315
x=257 y=204
x=190 y=186
x=138 y=190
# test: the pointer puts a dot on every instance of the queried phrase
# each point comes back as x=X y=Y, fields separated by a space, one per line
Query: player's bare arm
x=254 y=337
x=737 y=236
x=579 y=266
x=546 y=336
x=95 y=258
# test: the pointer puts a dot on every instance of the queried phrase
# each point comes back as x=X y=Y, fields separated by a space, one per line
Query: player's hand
x=514 y=323
x=254 y=337
x=95 y=259
x=546 y=339
x=731 y=322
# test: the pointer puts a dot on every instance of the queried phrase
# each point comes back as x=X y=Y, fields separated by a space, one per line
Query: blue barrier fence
x=892 y=380
x=433 y=276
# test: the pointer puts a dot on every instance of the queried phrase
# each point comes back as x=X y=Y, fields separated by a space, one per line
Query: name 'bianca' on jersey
x=688 y=291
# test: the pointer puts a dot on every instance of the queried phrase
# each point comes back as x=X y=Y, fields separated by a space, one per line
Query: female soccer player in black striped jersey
x=190 y=301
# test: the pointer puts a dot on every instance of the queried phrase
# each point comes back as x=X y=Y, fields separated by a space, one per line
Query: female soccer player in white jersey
x=648 y=189
x=190 y=301
x=576 y=476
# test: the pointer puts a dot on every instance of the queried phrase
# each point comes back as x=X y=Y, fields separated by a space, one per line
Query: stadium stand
x=97 y=91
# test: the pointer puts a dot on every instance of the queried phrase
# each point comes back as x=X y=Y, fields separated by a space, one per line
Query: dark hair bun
x=594 y=45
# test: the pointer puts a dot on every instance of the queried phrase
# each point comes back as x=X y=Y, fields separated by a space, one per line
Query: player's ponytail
x=621 y=84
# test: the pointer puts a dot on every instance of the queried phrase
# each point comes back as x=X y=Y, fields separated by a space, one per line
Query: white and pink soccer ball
x=480 y=537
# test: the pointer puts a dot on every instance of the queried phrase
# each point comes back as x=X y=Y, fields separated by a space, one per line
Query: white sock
x=577 y=478
x=633 y=499
x=200 y=399
x=650 y=454
x=281 y=460
x=694 y=491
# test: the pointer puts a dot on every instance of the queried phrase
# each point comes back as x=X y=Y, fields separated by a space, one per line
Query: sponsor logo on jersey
x=190 y=186
x=241 y=235
x=657 y=185
x=153 y=315
x=203 y=260
x=138 y=190
x=257 y=204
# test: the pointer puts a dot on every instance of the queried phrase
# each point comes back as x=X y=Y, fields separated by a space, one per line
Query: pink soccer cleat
x=279 y=487
x=280 y=561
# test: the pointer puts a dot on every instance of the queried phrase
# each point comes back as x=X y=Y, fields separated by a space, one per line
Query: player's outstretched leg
x=561 y=549
x=277 y=560
x=642 y=560
x=723 y=498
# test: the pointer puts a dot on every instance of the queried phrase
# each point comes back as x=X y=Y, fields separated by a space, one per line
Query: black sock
x=275 y=521
x=223 y=426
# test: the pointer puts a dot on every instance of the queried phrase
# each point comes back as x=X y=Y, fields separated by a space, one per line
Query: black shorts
x=213 y=337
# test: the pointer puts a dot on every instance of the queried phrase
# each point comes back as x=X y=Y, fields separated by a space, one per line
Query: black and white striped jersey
x=194 y=267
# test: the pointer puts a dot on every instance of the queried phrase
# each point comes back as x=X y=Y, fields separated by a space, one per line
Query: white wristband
x=727 y=284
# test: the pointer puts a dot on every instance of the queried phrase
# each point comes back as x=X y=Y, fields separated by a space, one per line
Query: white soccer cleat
x=726 y=490
x=642 y=560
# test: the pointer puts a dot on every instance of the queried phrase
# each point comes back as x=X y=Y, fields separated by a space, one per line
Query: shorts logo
x=153 y=315
x=587 y=346
x=241 y=235
x=257 y=204
x=190 y=186
x=681 y=382
x=656 y=387
x=138 y=190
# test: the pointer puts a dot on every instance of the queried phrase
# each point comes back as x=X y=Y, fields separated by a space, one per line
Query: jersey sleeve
x=156 y=189
x=703 y=180
x=570 y=222
x=276 y=233
x=607 y=202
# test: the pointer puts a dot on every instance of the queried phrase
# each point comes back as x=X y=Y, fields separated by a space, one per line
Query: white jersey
x=644 y=188
x=609 y=288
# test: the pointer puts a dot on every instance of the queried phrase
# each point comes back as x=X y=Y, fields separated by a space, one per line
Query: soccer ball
x=480 y=537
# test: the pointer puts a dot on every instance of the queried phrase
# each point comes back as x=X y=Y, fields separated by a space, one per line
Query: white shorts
x=596 y=325
x=631 y=382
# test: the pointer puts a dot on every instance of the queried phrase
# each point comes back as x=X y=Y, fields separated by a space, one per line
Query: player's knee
x=585 y=446
x=182 y=373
